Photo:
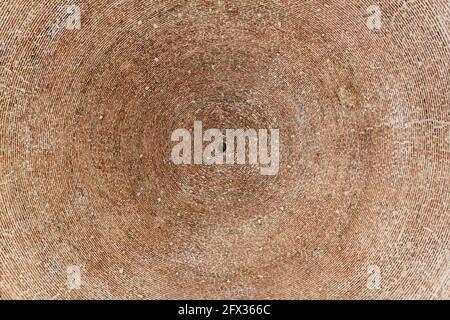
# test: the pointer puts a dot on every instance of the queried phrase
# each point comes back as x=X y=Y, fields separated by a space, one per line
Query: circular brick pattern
x=360 y=205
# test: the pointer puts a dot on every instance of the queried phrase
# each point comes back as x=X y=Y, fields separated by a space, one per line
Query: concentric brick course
x=91 y=207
